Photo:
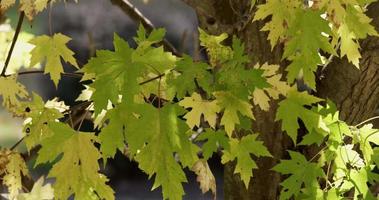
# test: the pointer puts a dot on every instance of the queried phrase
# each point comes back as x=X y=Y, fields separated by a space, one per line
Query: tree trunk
x=355 y=92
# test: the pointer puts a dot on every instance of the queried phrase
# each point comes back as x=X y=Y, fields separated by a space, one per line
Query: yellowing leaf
x=218 y=53
x=14 y=170
x=30 y=7
x=21 y=52
x=281 y=12
x=12 y=91
x=77 y=172
x=52 y=49
x=261 y=97
x=38 y=116
x=5 y=4
x=232 y=106
x=349 y=45
x=200 y=107
x=39 y=192
x=205 y=177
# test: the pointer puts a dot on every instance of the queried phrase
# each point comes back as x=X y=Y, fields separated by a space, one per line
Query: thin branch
x=17 y=143
x=137 y=16
x=74 y=74
x=152 y=79
x=17 y=32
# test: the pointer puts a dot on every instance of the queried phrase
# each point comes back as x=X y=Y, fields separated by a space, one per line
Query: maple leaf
x=366 y=135
x=39 y=192
x=15 y=168
x=235 y=77
x=113 y=70
x=167 y=136
x=205 y=177
x=232 y=106
x=190 y=72
x=12 y=91
x=357 y=26
x=200 y=107
x=292 y=108
x=241 y=150
x=262 y=96
x=218 y=53
x=30 y=7
x=302 y=51
x=125 y=122
x=146 y=40
x=215 y=139
x=281 y=12
x=52 y=49
x=301 y=172
x=77 y=170
x=38 y=116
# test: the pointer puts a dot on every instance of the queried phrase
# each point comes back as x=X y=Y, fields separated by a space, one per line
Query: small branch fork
x=137 y=16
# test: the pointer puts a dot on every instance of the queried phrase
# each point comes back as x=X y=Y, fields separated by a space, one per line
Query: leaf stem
x=17 y=32
x=367 y=120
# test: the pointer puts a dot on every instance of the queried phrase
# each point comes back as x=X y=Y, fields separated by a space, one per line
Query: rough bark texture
x=355 y=92
x=234 y=17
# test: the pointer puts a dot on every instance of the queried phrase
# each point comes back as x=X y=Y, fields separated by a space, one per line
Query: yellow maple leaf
x=200 y=107
x=261 y=97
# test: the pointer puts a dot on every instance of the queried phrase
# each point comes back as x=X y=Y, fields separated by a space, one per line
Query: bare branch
x=137 y=16
x=17 y=32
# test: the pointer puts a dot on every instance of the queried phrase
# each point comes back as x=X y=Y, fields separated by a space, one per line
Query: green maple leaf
x=190 y=72
x=334 y=128
x=115 y=74
x=77 y=172
x=143 y=39
x=200 y=107
x=366 y=135
x=12 y=91
x=39 y=192
x=242 y=150
x=36 y=128
x=359 y=179
x=232 y=105
x=292 y=108
x=112 y=136
x=214 y=140
x=52 y=49
x=125 y=122
x=302 y=173
x=281 y=12
x=167 y=135
x=302 y=51
x=154 y=58
x=14 y=169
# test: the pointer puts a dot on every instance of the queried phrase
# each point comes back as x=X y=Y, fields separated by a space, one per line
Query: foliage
x=196 y=108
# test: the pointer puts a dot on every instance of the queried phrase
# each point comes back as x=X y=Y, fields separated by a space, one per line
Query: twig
x=17 y=32
x=152 y=79
x=137 y=15
x=17 y=143
x=75 y=74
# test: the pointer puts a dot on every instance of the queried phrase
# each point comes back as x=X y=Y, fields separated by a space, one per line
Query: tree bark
x=355 y=92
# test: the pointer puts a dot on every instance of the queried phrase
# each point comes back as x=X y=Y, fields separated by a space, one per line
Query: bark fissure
x=355 y=92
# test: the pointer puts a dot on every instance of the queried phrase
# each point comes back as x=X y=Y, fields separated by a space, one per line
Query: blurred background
x=91 y=24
